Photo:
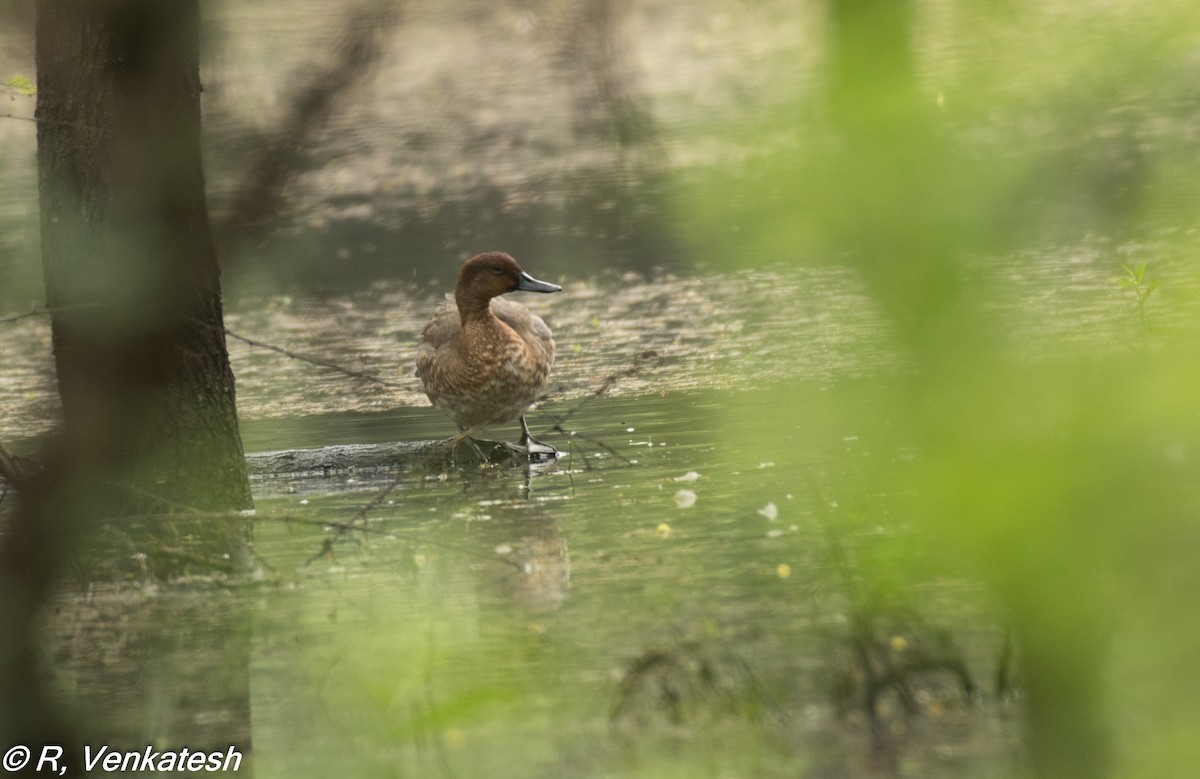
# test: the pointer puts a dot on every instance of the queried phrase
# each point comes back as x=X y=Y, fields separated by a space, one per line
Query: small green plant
x=20 y=85
x=1135 y=279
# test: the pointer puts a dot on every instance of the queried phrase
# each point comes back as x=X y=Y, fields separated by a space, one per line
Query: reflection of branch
x=259 y=197
x=357 y=522
x=326 y=550
x=164 y=548
x=383 y=493
x=9 y=470
x=169 y=505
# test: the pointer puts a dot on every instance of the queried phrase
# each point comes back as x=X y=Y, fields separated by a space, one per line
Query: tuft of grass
x=1142 y=287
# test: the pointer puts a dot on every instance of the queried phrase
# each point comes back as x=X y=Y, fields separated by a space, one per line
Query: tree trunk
x=128 y=257
x=147 y=391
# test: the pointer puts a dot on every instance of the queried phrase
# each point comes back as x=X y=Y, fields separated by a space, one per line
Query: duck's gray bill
x=530 y=284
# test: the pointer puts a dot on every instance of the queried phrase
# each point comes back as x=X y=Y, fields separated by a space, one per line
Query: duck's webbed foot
x=537 y=451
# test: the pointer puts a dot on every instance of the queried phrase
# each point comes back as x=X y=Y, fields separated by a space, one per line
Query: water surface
x=723 y=561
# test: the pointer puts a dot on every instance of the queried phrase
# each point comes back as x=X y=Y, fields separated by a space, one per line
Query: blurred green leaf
x=937 y=173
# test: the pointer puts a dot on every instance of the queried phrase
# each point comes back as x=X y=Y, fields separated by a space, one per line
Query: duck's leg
x=533 y=447
x=463 y=438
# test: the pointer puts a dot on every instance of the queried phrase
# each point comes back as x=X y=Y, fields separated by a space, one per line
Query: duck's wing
x=441 y=329
x=527 y=324
x=531 y=327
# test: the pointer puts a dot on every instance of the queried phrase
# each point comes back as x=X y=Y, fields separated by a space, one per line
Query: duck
x=484 y=359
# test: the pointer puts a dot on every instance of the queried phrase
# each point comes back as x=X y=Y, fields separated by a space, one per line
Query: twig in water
x=599 y=443
x=608 y=383
x=314 y=361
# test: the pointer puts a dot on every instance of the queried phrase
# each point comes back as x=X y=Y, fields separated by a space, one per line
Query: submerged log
x=373 y=458
x=344 y=458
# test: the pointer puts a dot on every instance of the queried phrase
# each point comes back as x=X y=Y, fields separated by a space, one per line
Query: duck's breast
x=489 y=372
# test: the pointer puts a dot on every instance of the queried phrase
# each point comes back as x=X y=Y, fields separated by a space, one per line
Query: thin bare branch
x=43 y=310
x=609 y=382
x=313 y=360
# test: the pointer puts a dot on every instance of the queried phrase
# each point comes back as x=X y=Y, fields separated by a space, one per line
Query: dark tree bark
x=147 y=391
x=128 y=257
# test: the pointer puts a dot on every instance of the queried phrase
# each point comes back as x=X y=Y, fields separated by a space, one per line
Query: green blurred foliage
x=945 y=135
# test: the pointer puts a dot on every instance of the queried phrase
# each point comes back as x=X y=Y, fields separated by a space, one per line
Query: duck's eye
x=497 y=270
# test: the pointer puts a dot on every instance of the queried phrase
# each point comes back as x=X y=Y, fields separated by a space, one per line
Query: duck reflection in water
x=484 y=359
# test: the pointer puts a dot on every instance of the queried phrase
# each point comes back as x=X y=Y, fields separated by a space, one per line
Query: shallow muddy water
x=669 y=591
x=677 y=578
x=701 y=571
